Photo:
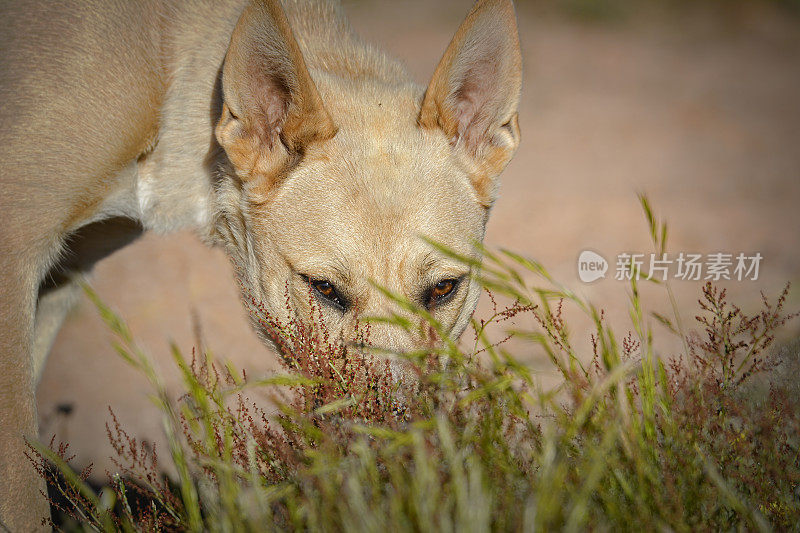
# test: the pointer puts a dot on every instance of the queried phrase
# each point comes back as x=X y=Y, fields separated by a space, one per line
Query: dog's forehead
x=370 y=193
x=380 y=152
x=384 y=192
x=376 y=187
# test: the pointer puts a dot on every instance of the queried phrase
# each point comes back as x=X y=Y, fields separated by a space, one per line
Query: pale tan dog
x=269 y=128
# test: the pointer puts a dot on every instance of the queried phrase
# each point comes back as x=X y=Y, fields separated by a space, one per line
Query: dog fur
x=271 y=130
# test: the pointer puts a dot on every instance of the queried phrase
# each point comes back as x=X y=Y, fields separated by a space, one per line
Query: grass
x=467 y=440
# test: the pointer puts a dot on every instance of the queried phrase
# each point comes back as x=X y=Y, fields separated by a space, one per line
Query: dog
x=269 y=128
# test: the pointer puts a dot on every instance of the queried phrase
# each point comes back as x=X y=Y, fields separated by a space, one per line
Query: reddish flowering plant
x=468 y=438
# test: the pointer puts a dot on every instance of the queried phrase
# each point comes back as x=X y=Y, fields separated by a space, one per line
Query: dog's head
x=330 y=181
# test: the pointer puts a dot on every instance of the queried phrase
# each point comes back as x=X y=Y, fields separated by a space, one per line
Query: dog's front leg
x=22 y=505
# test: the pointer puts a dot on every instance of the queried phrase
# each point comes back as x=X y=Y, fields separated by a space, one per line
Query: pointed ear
x=475 y=90
x=271 y=108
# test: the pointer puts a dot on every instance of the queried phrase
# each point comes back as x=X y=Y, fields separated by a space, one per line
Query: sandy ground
x=699 y=109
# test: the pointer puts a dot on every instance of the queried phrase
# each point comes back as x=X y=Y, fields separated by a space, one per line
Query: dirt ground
x=697 y=107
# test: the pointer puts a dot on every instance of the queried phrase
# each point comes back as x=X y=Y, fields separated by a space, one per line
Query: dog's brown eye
x=443 y=288
x=327 y=291
x=440 y=291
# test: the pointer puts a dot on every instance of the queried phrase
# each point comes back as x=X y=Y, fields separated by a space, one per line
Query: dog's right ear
x=475 y=90
x=271 y=108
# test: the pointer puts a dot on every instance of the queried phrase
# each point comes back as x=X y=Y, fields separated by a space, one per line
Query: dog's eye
x=439 y=292
x=327 y=291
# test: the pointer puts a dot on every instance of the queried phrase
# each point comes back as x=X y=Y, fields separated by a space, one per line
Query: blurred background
x=695 y=103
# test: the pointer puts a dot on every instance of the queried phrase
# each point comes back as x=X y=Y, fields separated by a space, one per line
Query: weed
x=470 y=441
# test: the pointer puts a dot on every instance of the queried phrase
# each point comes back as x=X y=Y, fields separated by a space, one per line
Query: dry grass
x=472 y=443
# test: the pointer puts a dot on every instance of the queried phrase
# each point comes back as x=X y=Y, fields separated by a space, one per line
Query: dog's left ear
x=475 y=90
